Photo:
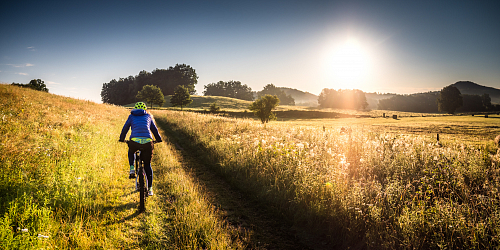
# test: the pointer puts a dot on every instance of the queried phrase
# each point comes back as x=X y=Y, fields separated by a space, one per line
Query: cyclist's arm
x=125 y=129
x=154 y=129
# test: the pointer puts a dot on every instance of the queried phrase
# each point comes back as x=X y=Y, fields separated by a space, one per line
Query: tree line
x=124 y=90
x=342 y=99
x=36 y=84
x=448 y=100
x=235 y=89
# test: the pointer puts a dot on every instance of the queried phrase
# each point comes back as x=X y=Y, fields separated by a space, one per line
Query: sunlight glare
x=348 y=65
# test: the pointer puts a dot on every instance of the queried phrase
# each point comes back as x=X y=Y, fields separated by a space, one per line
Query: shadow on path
x=257 y=225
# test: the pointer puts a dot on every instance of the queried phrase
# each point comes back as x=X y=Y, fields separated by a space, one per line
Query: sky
x=377 y=46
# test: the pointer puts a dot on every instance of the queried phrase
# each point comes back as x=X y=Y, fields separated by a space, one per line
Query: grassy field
x=354 y=183
x=64 y=184
x=372 y=182
x=474 y=129
x=225 y=103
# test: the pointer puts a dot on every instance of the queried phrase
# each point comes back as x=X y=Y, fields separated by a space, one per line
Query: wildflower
x=328 y=185
x=43 y=236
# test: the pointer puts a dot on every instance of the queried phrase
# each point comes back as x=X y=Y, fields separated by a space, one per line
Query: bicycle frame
x=141 y=181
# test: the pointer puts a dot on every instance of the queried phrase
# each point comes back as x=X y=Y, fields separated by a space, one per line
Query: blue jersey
x=142 y=124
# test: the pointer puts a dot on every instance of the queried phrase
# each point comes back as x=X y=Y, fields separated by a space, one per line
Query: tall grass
x=63 y=182
x=187 y=219
x=58 y=165
x=385 y=190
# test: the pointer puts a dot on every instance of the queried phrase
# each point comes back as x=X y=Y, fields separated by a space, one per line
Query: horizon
x=383 y=47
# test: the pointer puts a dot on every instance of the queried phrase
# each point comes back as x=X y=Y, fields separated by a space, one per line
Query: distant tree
x=151 y=95
x=233 y=89
x=181 y=97
x=471 y=103
x=420 y=102
x=36 y=84
x=214 y=107
x=328 y=98
x=450 y=99
x=486 y=100
x=342 y=99
x=123 y=91
x=270 y=89
x=180 y=74
x=264 y=106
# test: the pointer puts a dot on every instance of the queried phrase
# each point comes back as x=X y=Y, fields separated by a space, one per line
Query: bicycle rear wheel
x=141 y=182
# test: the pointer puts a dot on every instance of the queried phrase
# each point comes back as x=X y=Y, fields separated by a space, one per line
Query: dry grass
x=385 y=189
x=63 y=182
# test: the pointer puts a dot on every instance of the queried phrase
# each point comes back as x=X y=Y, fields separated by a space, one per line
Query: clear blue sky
x=375 y=46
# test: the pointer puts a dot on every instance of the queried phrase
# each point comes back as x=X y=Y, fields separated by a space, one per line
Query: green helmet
x=140 y=105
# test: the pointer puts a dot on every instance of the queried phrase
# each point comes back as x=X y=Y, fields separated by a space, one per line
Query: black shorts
x=146 y=150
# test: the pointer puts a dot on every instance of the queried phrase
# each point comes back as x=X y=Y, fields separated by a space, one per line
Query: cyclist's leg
x=149 y=173
x=131 y=158
x=146 y=156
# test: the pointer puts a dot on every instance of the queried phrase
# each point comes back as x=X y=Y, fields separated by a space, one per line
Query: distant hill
x=301 y=98
x=373 y=98
x=470 y=88
x=203 y=102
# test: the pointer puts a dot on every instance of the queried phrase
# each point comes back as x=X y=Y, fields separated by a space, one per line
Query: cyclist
x=142 y=124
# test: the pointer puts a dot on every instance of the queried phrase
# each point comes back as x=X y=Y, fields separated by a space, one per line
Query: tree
x=214 y=107
x=151 y=95
x=420 y=102
x=486 y=100
x=342 y=99
x=181 y=97
x=270 y=89
x=36 y=84
x=233 y=89
x=263 y=107
x=124 y=90
x=450 y=99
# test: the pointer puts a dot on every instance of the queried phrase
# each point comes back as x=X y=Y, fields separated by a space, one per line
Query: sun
x=348 y=65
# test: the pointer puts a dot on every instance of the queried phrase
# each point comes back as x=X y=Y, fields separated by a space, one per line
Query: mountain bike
x=141 y=181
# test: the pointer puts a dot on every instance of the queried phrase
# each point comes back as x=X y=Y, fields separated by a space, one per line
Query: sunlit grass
x=384 y=186
x=58 y=169
x=64 y=185
x=188 y=220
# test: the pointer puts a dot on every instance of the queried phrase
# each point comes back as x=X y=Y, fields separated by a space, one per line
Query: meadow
x=64 y=183
x=372 y=182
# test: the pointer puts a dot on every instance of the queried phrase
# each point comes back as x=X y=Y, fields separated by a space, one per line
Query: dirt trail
x=258 y=227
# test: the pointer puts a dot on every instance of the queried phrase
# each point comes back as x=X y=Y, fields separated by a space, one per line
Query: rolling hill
x=470 y=88
x=302 y=98
x=204 y=102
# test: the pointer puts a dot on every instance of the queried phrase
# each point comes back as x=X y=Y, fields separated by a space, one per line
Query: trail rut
x=257 y=226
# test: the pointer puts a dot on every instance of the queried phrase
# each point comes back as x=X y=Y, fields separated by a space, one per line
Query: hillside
x=470 y=88
x=59 y=169
x=465 y=87
x=301 y=98
x=373 y=98
x=64 y=182
x=204 y=102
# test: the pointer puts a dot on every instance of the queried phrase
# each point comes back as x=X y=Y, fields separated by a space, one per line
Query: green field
x=361 y=182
